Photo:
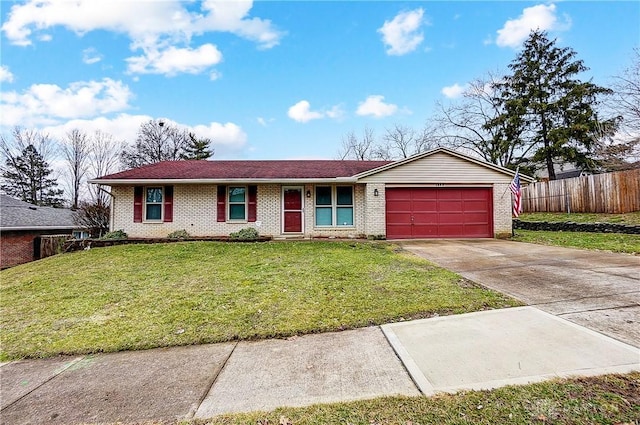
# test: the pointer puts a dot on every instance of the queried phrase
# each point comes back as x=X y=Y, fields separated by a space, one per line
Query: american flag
x=517 y=195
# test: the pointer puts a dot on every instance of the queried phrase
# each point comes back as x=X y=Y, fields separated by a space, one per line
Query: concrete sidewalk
x=476 y=350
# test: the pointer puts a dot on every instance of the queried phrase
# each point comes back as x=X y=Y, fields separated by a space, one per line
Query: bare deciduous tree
x=470 y=125
x=619 y=148
x=104 y=159
x=402 y=141
x=26 y=158
x=157 y=141
x=626 y=98
x=360 y=149
x=398 y=142
x=76 y=149
x=93 y=216
x=12 y=147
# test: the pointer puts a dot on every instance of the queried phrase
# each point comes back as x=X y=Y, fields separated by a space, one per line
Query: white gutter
x=142 y=182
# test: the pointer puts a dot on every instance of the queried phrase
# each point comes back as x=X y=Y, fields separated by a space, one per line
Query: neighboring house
x=21 y=225
x=436 y=194
x=563 y=171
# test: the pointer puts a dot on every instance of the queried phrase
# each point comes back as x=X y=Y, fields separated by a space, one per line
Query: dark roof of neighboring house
x=246 y=170
x=19 y=215
x=570 y=174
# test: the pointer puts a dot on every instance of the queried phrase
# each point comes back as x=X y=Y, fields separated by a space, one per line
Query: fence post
x=568 y=201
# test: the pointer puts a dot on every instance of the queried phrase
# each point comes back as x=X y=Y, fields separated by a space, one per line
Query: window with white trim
x=153 y=203
x=334 y=206
x=237 y=201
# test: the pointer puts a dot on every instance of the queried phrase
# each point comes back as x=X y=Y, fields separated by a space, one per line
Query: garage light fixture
x=375 y=192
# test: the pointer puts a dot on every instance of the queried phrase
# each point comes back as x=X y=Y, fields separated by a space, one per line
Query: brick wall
x=501 y=210
x=195 y=209
x=17 y=247
x=375 y=210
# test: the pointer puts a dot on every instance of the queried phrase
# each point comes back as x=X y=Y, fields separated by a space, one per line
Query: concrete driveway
x=598 y=290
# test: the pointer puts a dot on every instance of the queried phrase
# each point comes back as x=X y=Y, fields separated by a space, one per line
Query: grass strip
x=609 y=399
x=632 y=218
x=614 y=242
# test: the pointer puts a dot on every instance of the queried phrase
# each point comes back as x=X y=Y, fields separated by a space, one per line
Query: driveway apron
x=598 y=290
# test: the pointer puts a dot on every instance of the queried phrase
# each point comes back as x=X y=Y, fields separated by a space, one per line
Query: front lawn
x=142 y=296
x=612 y=399
x=632 y=218
x=615 y=242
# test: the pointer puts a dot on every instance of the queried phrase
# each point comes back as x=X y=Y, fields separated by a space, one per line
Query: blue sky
x=276 y=80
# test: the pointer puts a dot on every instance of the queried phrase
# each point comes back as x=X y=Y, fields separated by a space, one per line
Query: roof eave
x=143 y=182
x=13 y=228
x=421 y=155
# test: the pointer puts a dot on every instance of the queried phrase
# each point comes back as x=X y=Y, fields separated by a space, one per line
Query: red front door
x=292 y=210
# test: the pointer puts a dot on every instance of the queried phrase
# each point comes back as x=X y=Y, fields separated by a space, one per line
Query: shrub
x=179 y=234
x=117 y=234
x=246 y=234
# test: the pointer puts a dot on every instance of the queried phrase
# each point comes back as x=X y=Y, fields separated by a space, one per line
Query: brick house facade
x=439 y=193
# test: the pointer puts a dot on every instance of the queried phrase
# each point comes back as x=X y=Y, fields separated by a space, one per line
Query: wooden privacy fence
x=48 y=245
x=612 y=193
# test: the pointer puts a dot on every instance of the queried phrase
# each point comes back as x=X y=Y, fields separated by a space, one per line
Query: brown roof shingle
x=246 y=170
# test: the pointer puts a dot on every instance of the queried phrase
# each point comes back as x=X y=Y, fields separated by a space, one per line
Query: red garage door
x=420 y=212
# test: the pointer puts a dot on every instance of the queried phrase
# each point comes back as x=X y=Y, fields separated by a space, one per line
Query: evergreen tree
x=27 y=177
x=197 y=148
x=553 y=109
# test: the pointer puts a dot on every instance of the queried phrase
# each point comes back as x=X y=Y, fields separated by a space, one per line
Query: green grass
x=614 y=242
x=611 y=399
x=628 y=218
x=142 y=296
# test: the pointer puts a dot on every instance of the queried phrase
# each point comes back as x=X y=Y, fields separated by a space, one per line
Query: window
x=153 y=204
x=334 y=205
x=237 y=203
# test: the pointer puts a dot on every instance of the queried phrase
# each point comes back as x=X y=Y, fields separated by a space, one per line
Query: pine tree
x=27 y=178
x=553 y=108
x=197 y=148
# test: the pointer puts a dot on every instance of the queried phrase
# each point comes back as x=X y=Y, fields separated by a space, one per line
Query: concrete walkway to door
x=599 y=290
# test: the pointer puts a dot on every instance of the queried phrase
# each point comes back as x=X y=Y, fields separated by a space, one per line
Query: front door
x=292 y=209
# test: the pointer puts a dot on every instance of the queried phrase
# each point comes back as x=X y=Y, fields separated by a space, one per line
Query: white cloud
x=264 y=121
x=91 y=56
x=402 y=34
x=161 y=29
x=374 y=105
x=227 y=138
x=301 y=112
x=540 y=17
x=172 y=60
x=453 y=91
x=50 y=103
x=336 y=112
x=6 y=76
x=122 y=127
